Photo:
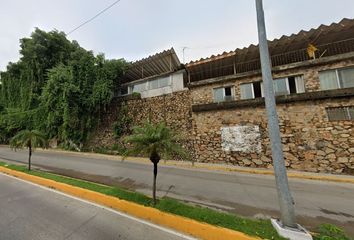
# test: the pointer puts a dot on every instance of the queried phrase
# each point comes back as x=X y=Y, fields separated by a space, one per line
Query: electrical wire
x=89 y=20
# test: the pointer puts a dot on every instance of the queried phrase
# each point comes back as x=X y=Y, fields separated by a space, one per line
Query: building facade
x=154 y=76
x=315 y=102
x=217 y=103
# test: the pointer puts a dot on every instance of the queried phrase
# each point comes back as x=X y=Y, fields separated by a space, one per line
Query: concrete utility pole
x=281 y=178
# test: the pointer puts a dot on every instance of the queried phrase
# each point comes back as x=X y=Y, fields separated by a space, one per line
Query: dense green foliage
x=122 y=125
x=56 y=87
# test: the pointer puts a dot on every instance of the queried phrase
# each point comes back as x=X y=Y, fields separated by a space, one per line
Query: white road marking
x=106 y=208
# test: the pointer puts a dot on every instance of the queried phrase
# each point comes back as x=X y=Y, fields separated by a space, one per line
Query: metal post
x=285 y=199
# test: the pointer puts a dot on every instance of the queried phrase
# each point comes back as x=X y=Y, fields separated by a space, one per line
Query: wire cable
x=89 y=20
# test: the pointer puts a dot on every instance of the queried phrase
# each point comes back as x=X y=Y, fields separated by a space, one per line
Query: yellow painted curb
x=194 y=228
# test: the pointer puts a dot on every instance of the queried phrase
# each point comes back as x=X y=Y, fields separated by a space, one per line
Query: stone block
x=343 y=160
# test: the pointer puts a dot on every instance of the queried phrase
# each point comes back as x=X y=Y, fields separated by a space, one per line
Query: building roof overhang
x=152 y=66
x=334 y=39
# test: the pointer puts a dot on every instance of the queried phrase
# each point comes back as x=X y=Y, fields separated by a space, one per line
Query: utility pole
x=285 y=199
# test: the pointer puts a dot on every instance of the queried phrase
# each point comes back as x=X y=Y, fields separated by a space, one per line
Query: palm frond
x=155 y=137
x=28 y=138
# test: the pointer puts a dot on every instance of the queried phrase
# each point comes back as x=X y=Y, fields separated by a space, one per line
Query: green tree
x=56 y=87
x=30 y=139
x=154 y=141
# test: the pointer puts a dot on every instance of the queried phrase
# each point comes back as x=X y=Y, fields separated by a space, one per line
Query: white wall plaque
x=241 y=139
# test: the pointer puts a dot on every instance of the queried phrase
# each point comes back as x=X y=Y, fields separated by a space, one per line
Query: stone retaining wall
x=311 y=142
x=174 y=109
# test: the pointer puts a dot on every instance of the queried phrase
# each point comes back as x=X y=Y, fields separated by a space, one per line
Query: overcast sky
x=134 y=29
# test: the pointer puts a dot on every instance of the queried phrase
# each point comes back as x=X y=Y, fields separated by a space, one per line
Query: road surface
x=244 y=194
x=29 y=212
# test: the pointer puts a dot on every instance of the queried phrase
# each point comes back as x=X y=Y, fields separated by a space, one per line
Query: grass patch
x=259 y=228
x=330 y=232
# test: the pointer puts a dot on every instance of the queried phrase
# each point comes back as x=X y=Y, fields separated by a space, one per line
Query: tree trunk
x=154 y=158
x=154 y=183
x=29 y=157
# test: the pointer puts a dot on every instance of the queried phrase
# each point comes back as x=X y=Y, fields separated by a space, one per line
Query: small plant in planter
x=154 y=141
x=136 y=95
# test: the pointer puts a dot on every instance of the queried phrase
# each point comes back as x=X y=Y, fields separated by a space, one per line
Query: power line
x=89 y=20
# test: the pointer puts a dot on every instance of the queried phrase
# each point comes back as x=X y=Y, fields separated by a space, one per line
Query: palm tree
x=155 y=140
x=30 y=139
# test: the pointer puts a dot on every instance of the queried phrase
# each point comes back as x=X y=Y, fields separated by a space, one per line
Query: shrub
x=136 y=94
x=122 y=125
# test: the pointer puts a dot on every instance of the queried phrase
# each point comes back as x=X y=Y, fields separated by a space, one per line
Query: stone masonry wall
x=310 y=141
x=239 y=135
x=174 y=109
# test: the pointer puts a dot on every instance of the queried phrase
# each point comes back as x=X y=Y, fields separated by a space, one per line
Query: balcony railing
x=300 y=55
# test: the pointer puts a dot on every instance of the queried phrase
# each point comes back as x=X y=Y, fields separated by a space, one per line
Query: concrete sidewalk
x=212 y=166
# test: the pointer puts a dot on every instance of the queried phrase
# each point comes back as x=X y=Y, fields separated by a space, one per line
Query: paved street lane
x=245 y=194
x=29 y=212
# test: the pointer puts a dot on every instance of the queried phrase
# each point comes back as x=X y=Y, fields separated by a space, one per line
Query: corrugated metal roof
x=154 y=65
x=334 y=39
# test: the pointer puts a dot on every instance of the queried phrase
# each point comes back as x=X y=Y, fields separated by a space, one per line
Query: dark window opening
x=228 y=91
x=257 y=89
x=124 y=91
x=292 y=84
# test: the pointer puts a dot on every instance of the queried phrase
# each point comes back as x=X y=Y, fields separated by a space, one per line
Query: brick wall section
x=310 y=141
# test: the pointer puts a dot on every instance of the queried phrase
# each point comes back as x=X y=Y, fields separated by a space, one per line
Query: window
x=164 y=82
x=159 y=83
x=123 y=90
x=140 y=87
x=340 y=113
x=282 y=86
x=223 y=94
x=153 y=84
x=337 y=78
x=289 y=85
x=251 y=90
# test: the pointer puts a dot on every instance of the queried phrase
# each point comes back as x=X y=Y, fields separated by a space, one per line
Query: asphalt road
x=245 y=194
x=30 y=212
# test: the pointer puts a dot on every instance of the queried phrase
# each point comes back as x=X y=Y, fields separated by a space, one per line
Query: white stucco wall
x=175 y=85
x=177 y=81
